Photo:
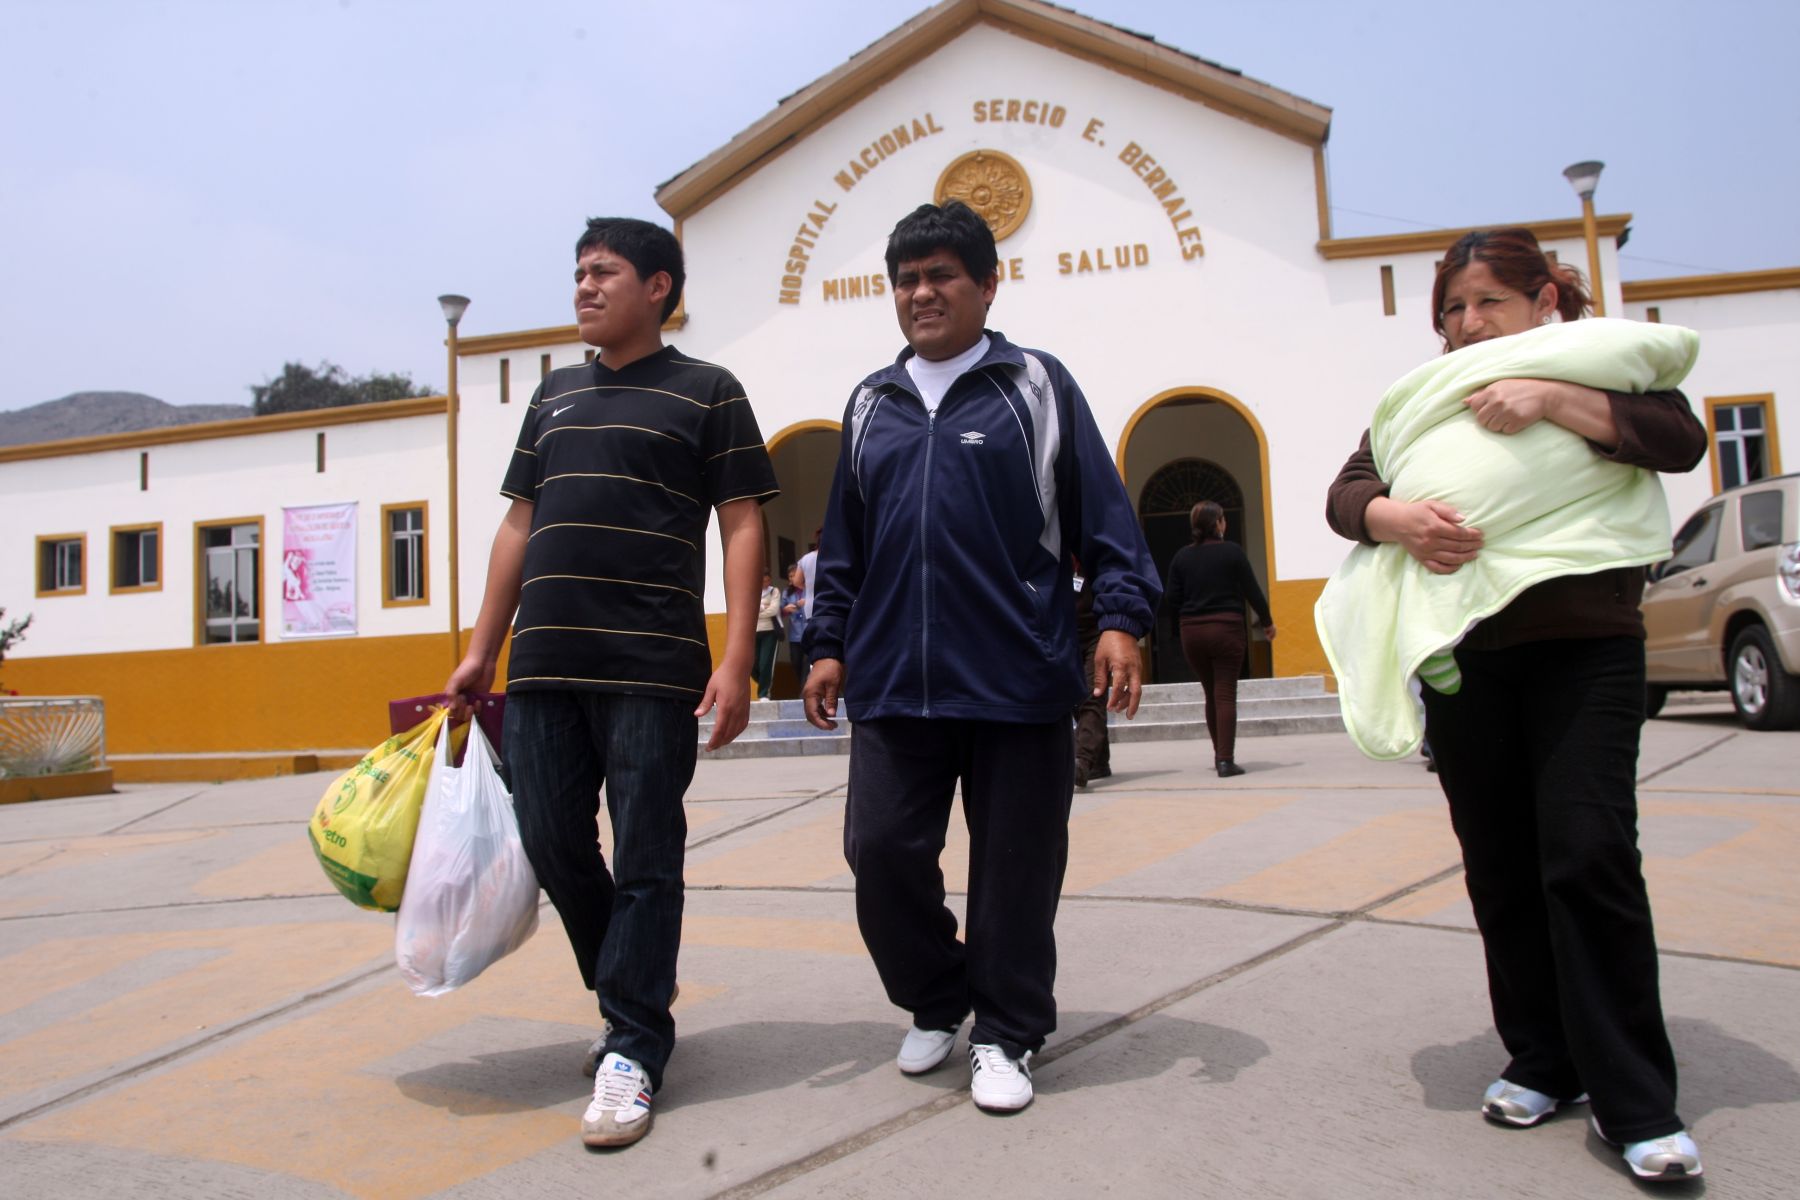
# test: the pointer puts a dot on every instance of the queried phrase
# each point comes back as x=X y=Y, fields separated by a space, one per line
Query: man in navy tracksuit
x=971 y=470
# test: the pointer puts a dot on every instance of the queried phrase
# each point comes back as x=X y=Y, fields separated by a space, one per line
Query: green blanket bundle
x=1546 y=504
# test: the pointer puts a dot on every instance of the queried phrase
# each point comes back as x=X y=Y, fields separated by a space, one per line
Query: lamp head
x=1583 y=177
x=453 y=307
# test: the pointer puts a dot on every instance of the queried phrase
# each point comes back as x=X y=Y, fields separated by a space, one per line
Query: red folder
x=489 y=709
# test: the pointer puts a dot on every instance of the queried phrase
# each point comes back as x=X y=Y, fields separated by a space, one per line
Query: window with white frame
x=405 y=553
x=61 y=563
x=1741 y=443
x=231 y=583
x=137 y=558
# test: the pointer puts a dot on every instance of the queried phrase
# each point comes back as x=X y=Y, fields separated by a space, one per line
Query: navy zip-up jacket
x=944 y=580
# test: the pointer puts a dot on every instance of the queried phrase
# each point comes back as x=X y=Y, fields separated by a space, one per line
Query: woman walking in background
x=1208 y=585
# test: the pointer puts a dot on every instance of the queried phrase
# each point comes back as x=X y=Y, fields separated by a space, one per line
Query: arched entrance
x=805 y=458
x=1178 y=449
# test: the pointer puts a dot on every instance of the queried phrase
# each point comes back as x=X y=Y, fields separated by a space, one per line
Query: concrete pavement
x=1269 y=987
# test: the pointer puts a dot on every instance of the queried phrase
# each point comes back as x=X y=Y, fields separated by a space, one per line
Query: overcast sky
x=194 y=193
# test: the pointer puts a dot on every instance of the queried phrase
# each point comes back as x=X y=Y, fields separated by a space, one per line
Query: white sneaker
x=999 y=1083
x=924 y=1050
x=620 y=1112
x=1515 y=1105
x=1663 y=1159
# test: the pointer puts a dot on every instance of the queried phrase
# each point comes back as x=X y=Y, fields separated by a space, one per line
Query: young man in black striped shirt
x=619 y=464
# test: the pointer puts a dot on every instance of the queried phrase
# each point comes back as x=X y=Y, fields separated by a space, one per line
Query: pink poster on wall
x=318 y=570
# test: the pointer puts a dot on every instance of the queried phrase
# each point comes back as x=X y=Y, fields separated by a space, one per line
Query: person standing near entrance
x=768 y=637
x=944 y=615
x=1210 y=581
x=610 y=668
x=793 y=611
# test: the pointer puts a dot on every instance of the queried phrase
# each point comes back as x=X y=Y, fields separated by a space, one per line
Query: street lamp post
x=453 y=307
x=1584 y=177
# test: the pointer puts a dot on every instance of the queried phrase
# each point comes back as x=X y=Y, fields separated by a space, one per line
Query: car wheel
x=1654 y=695
x=1766 y=697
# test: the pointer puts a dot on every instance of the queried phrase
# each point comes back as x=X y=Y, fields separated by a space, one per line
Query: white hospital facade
x=1164 y=230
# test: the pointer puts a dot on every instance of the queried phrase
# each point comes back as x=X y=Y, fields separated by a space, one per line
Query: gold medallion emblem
x=991 y=183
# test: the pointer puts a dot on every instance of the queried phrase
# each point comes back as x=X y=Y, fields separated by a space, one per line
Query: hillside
x=86 y=413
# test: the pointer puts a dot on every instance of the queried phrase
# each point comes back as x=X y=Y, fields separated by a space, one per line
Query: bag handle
x=480 y=749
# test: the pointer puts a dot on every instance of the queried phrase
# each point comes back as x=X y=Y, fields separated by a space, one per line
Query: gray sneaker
x=1659 y=1160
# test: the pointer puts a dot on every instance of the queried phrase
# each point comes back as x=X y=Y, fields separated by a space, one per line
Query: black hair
x=648 y=248
x=954 y=227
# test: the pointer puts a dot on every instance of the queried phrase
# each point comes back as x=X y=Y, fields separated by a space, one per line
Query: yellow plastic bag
x=363 y=827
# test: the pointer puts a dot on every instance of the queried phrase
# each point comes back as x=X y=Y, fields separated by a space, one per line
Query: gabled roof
x=1135 y=54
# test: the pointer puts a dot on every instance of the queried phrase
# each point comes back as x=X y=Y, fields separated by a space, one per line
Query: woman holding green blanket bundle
x=1536 y=743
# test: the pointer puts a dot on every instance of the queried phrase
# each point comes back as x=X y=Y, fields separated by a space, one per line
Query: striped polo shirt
x=624 y=469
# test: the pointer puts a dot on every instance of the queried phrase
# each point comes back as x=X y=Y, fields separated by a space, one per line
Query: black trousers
x=1093 y=747
x=1538 y=757
x=1018 y=782
x=624 y=924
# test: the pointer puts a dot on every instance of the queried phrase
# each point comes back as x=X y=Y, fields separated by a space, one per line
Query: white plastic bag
x=471 y=896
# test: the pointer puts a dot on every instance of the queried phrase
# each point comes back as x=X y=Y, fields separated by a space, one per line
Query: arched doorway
x=1178 y=449
x=804 y=456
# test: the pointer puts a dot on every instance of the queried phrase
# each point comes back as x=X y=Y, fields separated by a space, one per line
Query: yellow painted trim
x=1771 y=431
x=1322 y=186
x=22 y=789
x=387 y=559
x=1430 y=240
x=1083 y=37
x=112 y=558
x=37 y=564
x=353 y=414
x=799 y=427
x=1296 y=649
x=523 y=339
x=262 y=562
x=1729 y=283
x=191 y=702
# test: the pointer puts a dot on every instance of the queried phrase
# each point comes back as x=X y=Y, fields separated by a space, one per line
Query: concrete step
x=1195 y=710
x=1168 y=712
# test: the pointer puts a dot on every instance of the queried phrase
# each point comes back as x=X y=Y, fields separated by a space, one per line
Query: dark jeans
x=625 y=926
x=1538 y=757
x=802 y=667
x=1214 y=647
x=1018 y=782
x=763 y=674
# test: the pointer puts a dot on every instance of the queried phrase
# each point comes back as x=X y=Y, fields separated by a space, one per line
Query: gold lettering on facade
x=1144 y=166
x=1103 y=258
x=800 y=253
x=991 y=183
x=884 y=146
x=854 y=287
x=1027 y=112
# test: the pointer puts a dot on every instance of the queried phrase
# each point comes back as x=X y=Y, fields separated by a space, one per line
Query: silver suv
x=1723 y=611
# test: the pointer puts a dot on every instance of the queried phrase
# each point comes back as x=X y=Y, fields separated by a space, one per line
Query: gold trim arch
x=1262 y=450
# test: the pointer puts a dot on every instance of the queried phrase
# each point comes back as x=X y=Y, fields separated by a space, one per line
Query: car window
x=1695 y=544
x=1760 y=518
